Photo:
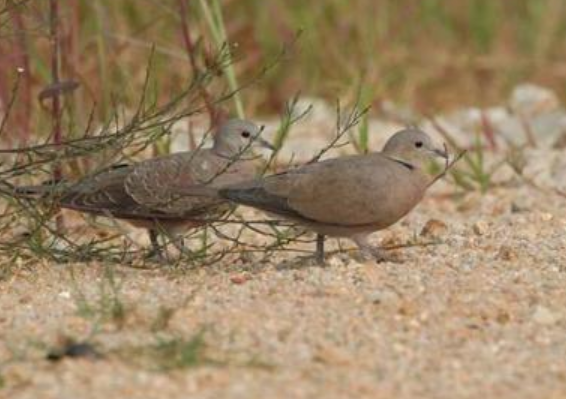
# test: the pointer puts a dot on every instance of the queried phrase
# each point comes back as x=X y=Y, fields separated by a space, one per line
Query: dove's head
x=414 y=147
x=236 y=136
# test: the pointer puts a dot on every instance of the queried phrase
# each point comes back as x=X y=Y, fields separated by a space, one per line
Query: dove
x=351 y=196
x=145 y=193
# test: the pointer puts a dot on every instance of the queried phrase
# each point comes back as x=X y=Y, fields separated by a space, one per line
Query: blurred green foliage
x=430 y=54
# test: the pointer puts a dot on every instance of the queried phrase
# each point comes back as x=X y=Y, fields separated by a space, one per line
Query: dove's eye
x=419 y=144
x=245 y=134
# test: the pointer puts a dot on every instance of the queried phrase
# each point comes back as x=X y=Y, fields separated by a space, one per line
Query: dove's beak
x=440 y=153
x=264 y=144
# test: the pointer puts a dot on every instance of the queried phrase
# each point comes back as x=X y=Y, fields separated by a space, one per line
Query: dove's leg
x=178 y=241
x=320 y=248
x=367 y=249
x=176 y=235
x=155 y=249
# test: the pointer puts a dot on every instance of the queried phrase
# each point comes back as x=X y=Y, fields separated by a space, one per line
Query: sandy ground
x=480 y=314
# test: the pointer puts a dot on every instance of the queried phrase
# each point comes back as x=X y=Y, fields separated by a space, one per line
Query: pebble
x=546 y=217
x=239 y=279
x=507 y=253
x=74 y=350
x=65 y=295
x=380 y=297
x=480 y=227
x=434 y=228
x=543 y=315
x=335 y=261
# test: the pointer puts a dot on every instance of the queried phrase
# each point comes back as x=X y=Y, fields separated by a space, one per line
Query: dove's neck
x=225 y=149
x=408 y=162
x=234 y=152
x=415 y=166
x=404 y=163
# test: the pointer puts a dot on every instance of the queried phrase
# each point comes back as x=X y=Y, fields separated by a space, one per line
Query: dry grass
x=432 y=54
x=478 y=313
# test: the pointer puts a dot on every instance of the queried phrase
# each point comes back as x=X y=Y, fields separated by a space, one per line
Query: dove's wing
x=163 y=183
x=103 y=193
x=349 y=191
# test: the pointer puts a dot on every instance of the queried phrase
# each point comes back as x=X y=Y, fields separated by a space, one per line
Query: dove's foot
x=369 y=252
x=375 y=254
x=179 y=245
x=155 y=255
x=319 y=255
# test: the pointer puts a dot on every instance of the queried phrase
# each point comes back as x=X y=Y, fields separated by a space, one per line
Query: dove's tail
x=45 y=189
x=257 y=197
x=196 y=191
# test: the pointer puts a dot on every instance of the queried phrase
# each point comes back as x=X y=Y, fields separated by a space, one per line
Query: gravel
x=475 y=308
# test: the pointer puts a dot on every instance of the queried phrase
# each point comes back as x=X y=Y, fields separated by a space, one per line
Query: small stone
x=543 y=315
x=331 y=355
x=530 y=100
x=434 y=228
x=335 y=261
x=518 y=208
x=506 y=253
x=546 y=217
x=392 y=239
x=503 y=317
x=74 y=350
x=239 y=279
x=471 y=202
x=481 y=227
x=380 y=297
x=65 y=295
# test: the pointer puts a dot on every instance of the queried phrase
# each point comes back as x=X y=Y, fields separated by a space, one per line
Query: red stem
x=22 y=56
x=191 y=52
x=488 y=132
x=56 y=109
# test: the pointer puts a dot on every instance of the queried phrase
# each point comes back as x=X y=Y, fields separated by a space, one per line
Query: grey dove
x=145 y=193
x=351 y=196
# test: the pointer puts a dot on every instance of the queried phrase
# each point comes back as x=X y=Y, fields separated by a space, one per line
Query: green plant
x=287 y=119
x=484 y=17
x=365 y=99
x=162 y=318
x=477 y=171
x=171 y=353
x=107 y=306
x=476 y=174
x=216 y=26
x=178 y=353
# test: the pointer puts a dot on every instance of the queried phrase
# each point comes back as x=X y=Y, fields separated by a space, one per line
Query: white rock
x=534 y=112
x=320 y=110
x=383 y=296
x=481 y=227
x=531 y=100
x=65 y=295
x=398 y=113
x=543 y=315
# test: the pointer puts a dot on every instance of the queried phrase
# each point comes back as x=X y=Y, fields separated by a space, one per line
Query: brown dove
x=351 y=196
x=145 y=193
